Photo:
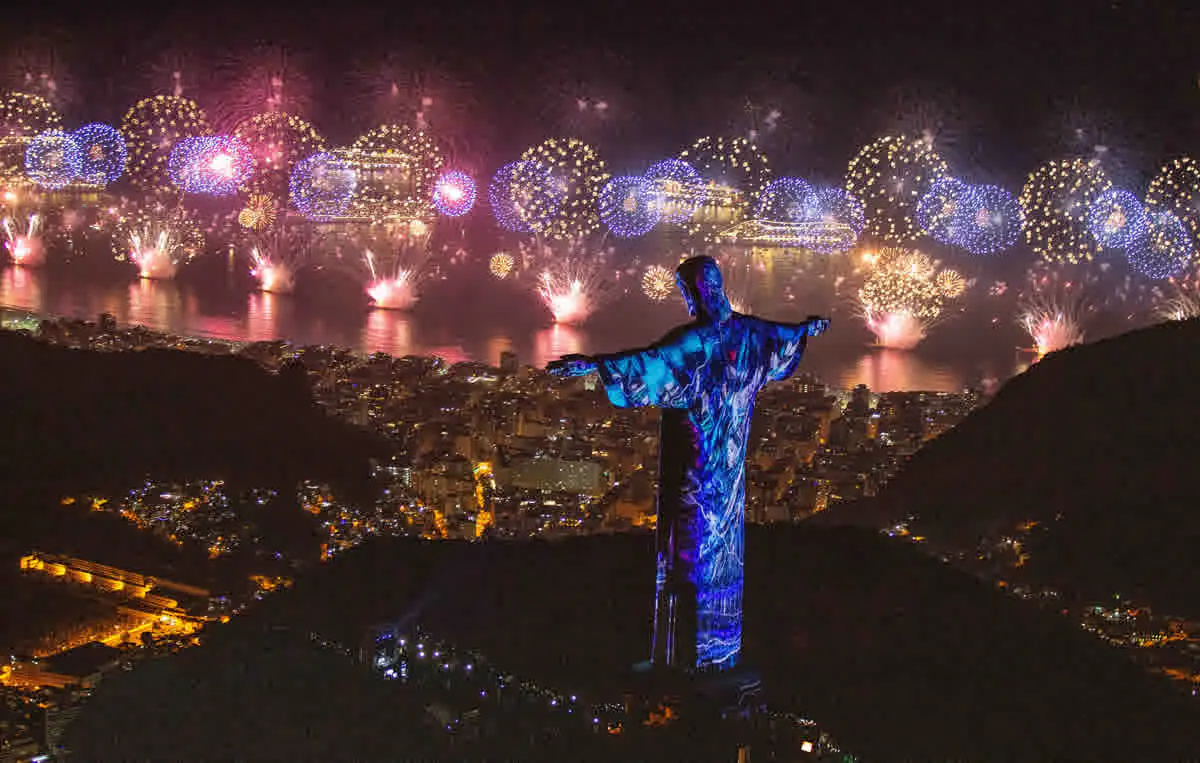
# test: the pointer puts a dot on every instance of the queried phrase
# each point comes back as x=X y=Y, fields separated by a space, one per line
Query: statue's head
x=703 y=289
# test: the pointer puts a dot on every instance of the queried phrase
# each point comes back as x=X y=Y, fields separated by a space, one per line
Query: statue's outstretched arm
x=662 y=374
x=786 y=342
x=571 y=365
x=814 y=325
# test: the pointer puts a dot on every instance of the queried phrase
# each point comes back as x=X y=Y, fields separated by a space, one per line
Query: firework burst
x=23 y=239
x=1052 y=326
x=730 y=162
x=277 y=255
x=1176 y=188
x=1180 y=307
x=501 y=265
x=272 y=277
x=950 y=283
x=398 y=263
x=903 y=298
x=158 y=240
x=658 y=283
x=1052 y=306
x=890 y=177
x=394 y=290
x=576 y=172
x=1180 y=302
x=267 y=78
x=259 y=213
x=1057 y=199
x=151 y=128
x=573 y=279
x=731 y=171
x=22 y=117
x=418 y=154
x=278 y=142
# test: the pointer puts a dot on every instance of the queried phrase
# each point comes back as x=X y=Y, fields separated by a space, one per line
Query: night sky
x=1004 y=86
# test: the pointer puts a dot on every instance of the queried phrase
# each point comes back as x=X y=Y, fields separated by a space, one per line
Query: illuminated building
x=485 y=491
x=166 y=610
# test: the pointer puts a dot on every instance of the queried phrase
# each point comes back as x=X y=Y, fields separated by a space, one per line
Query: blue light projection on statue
x=705 y=375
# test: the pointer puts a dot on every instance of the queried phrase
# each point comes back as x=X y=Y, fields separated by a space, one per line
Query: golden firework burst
x=501 y=265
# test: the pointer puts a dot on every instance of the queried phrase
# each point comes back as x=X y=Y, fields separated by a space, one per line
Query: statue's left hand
x=571 y=365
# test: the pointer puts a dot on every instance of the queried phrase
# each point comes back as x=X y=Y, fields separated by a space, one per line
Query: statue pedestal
x=718 y=695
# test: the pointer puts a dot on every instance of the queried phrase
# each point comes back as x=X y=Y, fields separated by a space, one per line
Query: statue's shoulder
x=747 y=323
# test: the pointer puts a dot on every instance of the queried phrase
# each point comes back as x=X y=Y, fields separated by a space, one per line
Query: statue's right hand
x=817 y=325
x=569 y=366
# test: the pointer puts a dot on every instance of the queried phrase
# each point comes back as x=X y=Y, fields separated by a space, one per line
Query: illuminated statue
x=705 y=375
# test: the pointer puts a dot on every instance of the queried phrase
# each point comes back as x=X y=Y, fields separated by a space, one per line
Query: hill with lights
x=896 y=654
x=1097 y=445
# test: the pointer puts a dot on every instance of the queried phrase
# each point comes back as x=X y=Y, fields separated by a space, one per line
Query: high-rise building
x=508 y=362
x=860 y=402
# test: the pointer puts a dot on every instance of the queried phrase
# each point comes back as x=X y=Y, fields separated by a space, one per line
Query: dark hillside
x=77 y=420
x=900 y=656
x=1100 y=444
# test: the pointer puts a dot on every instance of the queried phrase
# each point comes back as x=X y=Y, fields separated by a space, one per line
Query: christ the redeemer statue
x=705 y=376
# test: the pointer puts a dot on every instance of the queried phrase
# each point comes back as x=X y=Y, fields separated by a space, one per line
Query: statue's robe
x=705 y=376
